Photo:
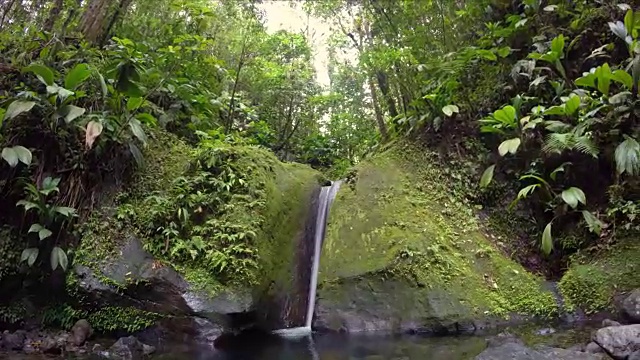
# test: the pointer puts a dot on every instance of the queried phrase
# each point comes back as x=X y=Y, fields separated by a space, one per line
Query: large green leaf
x=487 y=176
x=573 y=196
x=623 y=78
x=59 y=257
x=134 y=102
x=557 y=44
x=43 y=73
x=71 y=112
x=450 y=109
x=43 y=232
x=628 y=156
x=619 y=29
x=137 y=130
x=556 y=110
x=13 y=155
x=547 y=240
x=572 y=105
x=65 y=211
x=28 y=205
x=137 y=154
x=509 y=146
x=595 y=225
x=506 y=115
x=29 y=255
x=76 y=76
x=18 y=107
x=629 y=21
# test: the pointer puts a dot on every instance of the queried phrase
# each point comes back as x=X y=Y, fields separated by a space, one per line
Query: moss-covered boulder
x=198 y=233
x=595 y=282
x=402 y=254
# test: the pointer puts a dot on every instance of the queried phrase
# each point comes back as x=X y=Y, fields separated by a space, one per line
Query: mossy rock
x=593 y=282
x=402 y=254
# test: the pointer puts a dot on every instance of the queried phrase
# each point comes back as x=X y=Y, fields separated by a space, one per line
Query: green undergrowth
x=400 y=221
x=221 y=214
x=591 y=282
x=105 y=320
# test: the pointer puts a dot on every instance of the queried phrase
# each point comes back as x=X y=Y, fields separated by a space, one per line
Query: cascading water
x=325 y=199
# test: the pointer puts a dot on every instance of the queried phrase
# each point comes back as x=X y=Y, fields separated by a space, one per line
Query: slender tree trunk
x=92 y=24
x=383 y=82
x=229 y=122
x=53 y=16
x=382 y=127
x=120 y=12
x=5 y=12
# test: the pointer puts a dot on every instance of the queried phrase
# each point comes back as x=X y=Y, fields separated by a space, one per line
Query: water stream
x=325 y=199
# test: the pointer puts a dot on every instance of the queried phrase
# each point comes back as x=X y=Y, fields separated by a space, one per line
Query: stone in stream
x=80 y=332
x=127 y=348
x=631 y=306
x=619 y=341
x=13 y=341
x=506 y=346
x=593 y=348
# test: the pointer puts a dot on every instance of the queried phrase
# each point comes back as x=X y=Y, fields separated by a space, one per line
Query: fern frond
x=558 y=143
x=585 y=145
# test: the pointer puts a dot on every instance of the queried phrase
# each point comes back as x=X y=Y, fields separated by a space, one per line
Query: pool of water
x=336 y=347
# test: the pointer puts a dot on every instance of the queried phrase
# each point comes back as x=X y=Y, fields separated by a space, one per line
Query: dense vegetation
x=531 y=105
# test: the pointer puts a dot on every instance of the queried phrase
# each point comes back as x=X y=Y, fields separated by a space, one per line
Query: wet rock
x=516 y=350
x=593 y=348
x=80 y=332
x=619 y=341
x=127 y=348
x=510 y=351
x=192 y=331
x=503 y=338
x=14 y=341
x=545 y=331
x=609 y=322
x=54 y=344
x=634 y=356
x=631 y=306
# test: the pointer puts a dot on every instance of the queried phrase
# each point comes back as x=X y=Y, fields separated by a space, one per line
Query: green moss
x=116 y=319
x=592 y=281
x=400 y=219
x=9 y=252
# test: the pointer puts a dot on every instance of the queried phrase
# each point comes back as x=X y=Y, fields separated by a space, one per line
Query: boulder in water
x=619 y=341
x=631 y=306
x=80 y=332
x=13 y=341
x=516 y=350
x=593 y=348
x=127 y=348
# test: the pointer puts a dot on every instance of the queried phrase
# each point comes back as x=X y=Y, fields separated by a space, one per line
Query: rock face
x=619 y=341
x=401 y=255
x=508 y=347
x=631 y=306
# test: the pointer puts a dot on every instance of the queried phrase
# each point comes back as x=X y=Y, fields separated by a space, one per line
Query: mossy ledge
x=593 y=281
x=403 y=254
x=263 y=210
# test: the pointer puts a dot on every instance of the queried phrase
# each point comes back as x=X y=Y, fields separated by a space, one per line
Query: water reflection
x=335 y=347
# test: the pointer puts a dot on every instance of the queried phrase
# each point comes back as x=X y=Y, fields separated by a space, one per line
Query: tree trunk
x=53 y=16
x=120 y=11
x=382 y=127
x=5 y=11
x=383 y=82
x=93 y=22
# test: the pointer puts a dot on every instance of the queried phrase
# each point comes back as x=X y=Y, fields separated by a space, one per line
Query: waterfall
x=325 y=199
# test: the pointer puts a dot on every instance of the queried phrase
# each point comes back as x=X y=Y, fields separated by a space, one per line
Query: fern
x=558 y=143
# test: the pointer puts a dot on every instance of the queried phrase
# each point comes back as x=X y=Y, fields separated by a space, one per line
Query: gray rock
x=127 y=348
x=515 y=350
x=609 y=322
x=13 y=341
x=566 y=354
x=634 y=356
x=193 y=331
x=152 y=286
x=631 y=306
x=503 y=338
x=510 y=351
x=80 y=332
x=593 y=348
x=619 y=341
x=54 y=344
